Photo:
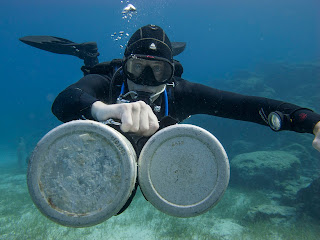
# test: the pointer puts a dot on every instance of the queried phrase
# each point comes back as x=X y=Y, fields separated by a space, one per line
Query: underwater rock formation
x=290 y=188
x=309 y=197
x=264 y=169
x=300 y=152
x=274 y=213
x=271 y=80
x=304 y=77
x=251 y=84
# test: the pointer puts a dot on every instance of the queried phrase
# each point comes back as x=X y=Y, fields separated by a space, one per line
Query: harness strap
x=166 y=103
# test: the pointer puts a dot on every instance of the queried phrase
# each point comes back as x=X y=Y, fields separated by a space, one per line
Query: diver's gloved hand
x=136 y=117
x=316 y=141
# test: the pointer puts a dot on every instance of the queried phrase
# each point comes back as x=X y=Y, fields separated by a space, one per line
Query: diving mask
x=148 y=70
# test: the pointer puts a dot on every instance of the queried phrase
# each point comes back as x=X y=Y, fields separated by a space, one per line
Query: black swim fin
x=178 y=47
x=87 y=51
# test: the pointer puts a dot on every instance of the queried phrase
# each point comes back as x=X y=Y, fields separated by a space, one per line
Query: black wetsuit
x=185 y=99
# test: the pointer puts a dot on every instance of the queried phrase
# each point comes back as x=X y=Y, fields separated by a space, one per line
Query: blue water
x=223 y=37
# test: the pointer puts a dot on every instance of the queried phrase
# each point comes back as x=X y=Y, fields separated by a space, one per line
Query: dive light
x=278 y=121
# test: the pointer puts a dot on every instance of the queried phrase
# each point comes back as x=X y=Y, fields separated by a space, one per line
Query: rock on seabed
x=264 y=169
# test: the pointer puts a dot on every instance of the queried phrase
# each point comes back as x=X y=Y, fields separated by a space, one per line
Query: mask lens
x=162 y=70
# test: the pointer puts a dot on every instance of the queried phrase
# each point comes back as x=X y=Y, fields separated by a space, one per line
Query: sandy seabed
x=20 y=219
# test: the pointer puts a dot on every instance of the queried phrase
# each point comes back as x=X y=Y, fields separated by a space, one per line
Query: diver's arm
x=194 y=98
x=206 y=100
x=88 y=97
x=76 y=100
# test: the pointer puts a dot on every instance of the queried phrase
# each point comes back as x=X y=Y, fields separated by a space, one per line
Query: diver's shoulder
x=95 y=76
x=181 y=81
x=95 y=79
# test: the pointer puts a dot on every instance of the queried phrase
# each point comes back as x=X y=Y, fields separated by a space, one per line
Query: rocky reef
x=264 y=169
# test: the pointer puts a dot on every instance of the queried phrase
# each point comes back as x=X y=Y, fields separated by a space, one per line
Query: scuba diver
x=144 y=91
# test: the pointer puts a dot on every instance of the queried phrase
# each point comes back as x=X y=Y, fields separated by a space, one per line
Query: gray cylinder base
x=183 y=170
x=81 y=173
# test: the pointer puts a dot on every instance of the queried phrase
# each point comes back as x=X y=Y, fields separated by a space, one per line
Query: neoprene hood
x=150 y=40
